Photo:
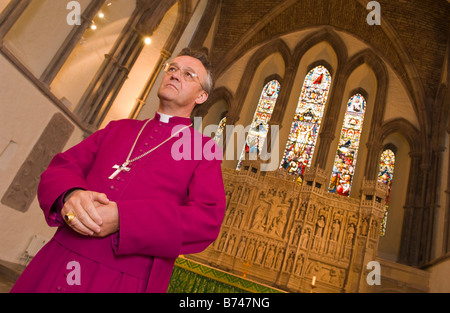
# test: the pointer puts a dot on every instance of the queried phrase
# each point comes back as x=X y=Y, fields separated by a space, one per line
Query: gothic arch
x=369 y=58
x=205 y=24
x=326 y=35
x=360 y=90
x=276 y=46
x=184 y=15
x=404 y=128
x=270 y=78
x=402 y=202
x=219 y=94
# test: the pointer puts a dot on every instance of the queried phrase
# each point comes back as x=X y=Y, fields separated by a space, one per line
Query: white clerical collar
x=164 y=117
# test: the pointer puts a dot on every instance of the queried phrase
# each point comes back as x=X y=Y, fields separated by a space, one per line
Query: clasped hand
x=95 y=214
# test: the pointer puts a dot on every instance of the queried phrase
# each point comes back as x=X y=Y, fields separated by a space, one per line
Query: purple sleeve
x=66 y=171
x=163 y=228
x=54 y=217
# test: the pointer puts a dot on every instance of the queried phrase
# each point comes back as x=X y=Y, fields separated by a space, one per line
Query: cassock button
x=146 y=144
x=111 y=187
x=156 y=130
x=151 y=137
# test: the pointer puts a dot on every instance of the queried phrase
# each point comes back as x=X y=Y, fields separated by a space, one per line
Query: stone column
x=365 y=247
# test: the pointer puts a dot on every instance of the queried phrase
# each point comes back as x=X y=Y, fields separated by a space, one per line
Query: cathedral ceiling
x=412 y=36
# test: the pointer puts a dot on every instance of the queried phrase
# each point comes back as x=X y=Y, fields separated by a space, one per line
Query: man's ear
x=201 y=98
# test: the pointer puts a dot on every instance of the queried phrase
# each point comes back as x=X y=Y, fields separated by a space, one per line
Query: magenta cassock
x=167 y=207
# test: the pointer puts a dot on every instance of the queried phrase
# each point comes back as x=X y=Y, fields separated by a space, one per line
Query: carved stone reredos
x=287 y=233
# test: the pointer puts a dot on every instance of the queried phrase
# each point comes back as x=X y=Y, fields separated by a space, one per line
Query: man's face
x=178 y=89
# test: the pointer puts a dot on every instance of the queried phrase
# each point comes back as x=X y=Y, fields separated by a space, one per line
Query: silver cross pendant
x=119 y=169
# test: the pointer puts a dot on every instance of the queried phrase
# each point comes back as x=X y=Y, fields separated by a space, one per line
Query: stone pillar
x=365 y=247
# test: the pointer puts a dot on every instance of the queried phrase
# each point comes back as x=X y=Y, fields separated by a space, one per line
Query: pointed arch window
x=347 y=152
x=260 y=124
x=307 y=120
x=385 y=176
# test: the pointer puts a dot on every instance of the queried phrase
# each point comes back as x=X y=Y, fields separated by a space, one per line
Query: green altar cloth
x=192 y=277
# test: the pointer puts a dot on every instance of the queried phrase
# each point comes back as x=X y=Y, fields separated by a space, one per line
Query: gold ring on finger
x=69 y=217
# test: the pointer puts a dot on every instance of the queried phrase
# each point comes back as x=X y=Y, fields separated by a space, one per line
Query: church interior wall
x=40 y=31
x=398 y=101
x=231 y=77
x=441 y=266
x=444 y=201
x=272 y=65
x=25 y=113
x=438 y=273
x=389 y=244
x=215 y=114
x=3 y=4
x=441 y=216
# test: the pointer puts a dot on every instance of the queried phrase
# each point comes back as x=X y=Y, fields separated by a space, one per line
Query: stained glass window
x=218 y=137
x=346 y=155
x=385 y=175
x=260 y=125
x=307 y=120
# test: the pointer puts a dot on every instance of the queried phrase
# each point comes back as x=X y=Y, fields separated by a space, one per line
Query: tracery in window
x=307 y=120
x=347 y=152
x=260 y=124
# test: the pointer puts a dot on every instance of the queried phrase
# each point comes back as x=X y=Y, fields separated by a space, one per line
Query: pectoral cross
x=119 y=169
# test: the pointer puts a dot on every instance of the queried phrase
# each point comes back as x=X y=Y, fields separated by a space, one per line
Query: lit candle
x=313 y=283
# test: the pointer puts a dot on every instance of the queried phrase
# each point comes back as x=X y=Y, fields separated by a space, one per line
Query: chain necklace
x=124 y=166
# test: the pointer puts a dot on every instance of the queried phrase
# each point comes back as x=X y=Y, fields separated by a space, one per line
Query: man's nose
x=175 y=74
